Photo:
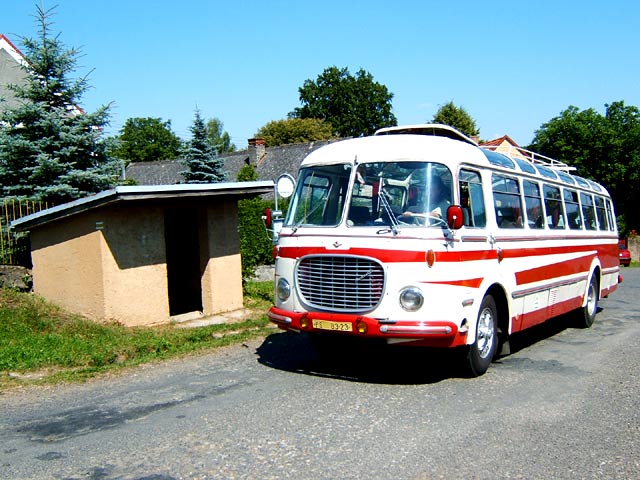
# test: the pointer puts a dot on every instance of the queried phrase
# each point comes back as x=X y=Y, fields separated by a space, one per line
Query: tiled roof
x=498 y=141
x=274 y=162
x=162 y=172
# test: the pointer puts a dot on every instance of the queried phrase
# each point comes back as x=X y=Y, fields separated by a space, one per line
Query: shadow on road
x=550 y=328
x=358 y=361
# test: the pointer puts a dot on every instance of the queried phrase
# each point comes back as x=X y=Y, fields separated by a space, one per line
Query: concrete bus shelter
x=141 y=255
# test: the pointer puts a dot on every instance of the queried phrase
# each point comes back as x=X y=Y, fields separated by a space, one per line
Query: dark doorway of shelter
x=183 y=260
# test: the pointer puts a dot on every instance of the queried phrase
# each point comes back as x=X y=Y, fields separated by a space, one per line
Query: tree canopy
x=294 y=130
x=456 y=117
x=219 y=140
x=147 y=139
x=204 y=166
x=605 y=148
x=354 y=105
x=49 y=148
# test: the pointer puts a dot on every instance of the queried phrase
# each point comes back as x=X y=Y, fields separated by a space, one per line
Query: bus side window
x=601 y=213
x=572 y=205
x=507 y=201
x=553 y=207
x=533 y=203
x=610 y=215
x=472 y=199
x=588 y=211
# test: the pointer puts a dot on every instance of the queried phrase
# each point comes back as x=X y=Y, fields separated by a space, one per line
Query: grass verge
x=41 y=343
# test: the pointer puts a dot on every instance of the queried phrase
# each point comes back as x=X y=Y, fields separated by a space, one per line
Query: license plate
x=334 y=326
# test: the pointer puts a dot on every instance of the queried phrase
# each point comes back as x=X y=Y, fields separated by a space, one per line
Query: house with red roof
x=507 y=146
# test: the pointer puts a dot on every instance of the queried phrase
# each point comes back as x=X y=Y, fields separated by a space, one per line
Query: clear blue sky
x=513 y=65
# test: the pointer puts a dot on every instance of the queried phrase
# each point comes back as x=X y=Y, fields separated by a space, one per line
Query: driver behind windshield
x=435 y=205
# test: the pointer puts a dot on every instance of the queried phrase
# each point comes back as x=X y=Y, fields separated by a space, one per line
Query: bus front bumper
x=431 y=333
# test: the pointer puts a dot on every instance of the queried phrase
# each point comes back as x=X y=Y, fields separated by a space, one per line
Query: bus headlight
x=283 y=290
x=411 y=299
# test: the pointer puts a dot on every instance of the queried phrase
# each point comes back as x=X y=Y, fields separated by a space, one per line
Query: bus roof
x=387 y=148
x=434 y=129
x=435 y=143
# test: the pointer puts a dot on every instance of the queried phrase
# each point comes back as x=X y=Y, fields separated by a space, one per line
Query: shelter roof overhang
x=139 y=193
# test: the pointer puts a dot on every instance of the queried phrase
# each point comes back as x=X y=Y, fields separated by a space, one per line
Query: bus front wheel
x=485 y=346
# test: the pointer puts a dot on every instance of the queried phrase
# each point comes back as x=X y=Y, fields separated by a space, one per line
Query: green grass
x=40 y=343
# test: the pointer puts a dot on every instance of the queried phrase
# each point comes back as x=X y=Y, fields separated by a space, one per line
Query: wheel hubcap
x=591 y=299
x=486 y=333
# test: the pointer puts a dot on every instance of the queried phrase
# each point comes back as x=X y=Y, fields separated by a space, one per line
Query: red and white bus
x=417 y=236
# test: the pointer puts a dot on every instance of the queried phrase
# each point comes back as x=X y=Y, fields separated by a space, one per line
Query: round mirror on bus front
x=285 y=185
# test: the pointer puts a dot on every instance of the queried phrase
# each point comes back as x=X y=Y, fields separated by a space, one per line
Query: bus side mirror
x=454 y=217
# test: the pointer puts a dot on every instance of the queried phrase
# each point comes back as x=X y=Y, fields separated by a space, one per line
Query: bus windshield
x=404 y=193
x=408 y=193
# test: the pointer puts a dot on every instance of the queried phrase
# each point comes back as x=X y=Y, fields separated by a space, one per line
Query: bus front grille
x=340 y=283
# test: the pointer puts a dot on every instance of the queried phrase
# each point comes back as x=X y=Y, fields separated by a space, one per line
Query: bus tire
x=586 y=315
x=484 y=348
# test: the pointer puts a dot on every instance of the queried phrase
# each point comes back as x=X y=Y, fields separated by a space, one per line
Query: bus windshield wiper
x=382 y=199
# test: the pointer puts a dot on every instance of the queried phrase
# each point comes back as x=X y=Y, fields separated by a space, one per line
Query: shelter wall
x=222 y=275
x=67 y=265
x=111 y=263
x=134 y=265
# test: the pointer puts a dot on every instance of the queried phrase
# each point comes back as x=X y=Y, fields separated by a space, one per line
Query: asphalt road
x=563 y=405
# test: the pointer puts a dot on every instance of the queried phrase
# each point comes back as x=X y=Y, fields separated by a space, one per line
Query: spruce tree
x=201 y=159
x=49 y=148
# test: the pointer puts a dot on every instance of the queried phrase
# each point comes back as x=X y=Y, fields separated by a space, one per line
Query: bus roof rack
x=434 y=129
x=441 y=130
x=532 y=157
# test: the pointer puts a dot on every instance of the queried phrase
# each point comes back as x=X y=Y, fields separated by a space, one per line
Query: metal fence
x=14 y=247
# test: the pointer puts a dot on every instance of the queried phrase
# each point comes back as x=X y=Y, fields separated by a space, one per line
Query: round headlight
x=411 y=299
x=283 y=289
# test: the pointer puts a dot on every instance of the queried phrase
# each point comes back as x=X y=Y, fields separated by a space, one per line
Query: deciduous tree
x=219 y=140
x=605 y=148
x=456 y=117
x=353 y=105
x=295 y=130
x=147 y=139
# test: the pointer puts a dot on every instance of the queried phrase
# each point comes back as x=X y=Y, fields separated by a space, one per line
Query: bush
x=256 y=247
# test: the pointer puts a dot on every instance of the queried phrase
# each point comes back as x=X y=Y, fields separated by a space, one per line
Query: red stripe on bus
x=608 y=254
x=529 y=319
x=386 y=256
x=389 y=256
x=469 y=282
x=555 y=270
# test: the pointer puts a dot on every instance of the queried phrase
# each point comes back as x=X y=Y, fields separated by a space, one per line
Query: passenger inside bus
x=435 y=205
x=556 y=219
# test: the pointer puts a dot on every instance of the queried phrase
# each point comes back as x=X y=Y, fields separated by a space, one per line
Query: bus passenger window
x=601 y=214
x=507 y=202
x=572 y=206
x=472 y=199
x=553 y=207
x=588 y=211
x=610 y=215
x=533 y=202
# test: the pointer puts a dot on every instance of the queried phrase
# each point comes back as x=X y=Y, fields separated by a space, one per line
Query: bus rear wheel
x=485 y=346
x=586 y=315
